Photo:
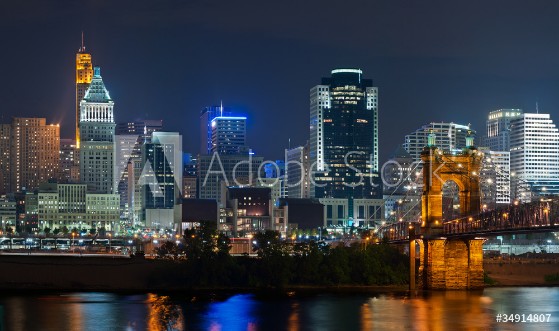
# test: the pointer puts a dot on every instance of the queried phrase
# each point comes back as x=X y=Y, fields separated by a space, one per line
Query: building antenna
x=82 y=49
x=537 y=108
x=221 y=109
x=289 y=144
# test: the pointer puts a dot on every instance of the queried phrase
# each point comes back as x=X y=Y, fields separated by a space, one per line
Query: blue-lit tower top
x=222 y=131
x=229 y=135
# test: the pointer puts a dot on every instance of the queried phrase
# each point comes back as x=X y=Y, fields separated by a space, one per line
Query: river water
x=452 y=310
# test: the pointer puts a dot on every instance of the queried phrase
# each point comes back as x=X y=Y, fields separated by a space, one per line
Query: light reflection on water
x=453 y=310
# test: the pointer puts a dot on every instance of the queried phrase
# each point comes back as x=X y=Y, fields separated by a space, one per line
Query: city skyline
x=466 y=61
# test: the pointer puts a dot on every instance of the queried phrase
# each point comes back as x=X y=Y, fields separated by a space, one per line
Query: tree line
x=206 y=262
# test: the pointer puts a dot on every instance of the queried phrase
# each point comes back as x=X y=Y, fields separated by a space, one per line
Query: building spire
x=82 y=48
x=221 y=108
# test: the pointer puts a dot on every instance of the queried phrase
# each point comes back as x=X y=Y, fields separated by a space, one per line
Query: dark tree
x=167 y=249
x=205 y=242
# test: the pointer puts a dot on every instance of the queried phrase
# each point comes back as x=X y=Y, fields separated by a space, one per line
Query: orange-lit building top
x=84 y=74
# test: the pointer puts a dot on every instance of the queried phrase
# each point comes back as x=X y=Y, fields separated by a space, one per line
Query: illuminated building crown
x=97 y=91
x=97 y=105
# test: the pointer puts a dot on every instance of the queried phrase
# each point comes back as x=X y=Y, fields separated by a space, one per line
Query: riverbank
x=520 y=272
x=117 y=274
x=72 y=273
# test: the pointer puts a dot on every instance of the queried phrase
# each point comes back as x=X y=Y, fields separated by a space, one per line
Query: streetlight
x=110 y=249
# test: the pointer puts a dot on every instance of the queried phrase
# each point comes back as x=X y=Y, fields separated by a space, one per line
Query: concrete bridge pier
x=448 y=264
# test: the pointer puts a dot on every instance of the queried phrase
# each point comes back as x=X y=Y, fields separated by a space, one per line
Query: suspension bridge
x=450 y=251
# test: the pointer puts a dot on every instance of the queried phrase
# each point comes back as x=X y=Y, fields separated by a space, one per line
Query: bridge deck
x=541 y=216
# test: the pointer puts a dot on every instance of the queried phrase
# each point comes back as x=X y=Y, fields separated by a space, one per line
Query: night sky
x=432 y=60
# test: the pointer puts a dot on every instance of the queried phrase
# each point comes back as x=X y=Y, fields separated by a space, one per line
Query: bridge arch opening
x=450 y=200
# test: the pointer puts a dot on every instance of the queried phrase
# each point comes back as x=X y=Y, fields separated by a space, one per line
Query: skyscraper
x=497 y=137
x=97 y=131
x=161 y=179
x=34 y=153
x=84 y=75
x=297 y=166
x=129 y=139
x=206 y=117
x=224 y=156
x=344 y=136
x=449 y=136
x=229 y=135
x=5 y=145
x=494 y=178
x=534 y=155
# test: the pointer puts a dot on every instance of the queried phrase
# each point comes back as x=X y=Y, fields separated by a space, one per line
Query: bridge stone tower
x=447 y=263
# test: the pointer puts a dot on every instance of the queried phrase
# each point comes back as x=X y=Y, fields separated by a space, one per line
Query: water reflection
x=293 y=320
x=435 y=311
x=236 y=313
x=454 y=310
x=163 y=314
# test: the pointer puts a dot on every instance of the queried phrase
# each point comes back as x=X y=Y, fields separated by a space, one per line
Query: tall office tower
x=449 y=136
x=534 y=156
x=69 y=165
x=497 y=137
x=97 y=131
x=34 y=153
x=297 y=167
x=229 y=135
x=84 y=75
x=161 y=179
x=344 y=136
x=206 y=117
x=5 y=145
x=494 y=177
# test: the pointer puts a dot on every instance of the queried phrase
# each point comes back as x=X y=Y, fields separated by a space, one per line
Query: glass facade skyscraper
x=344 y=137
